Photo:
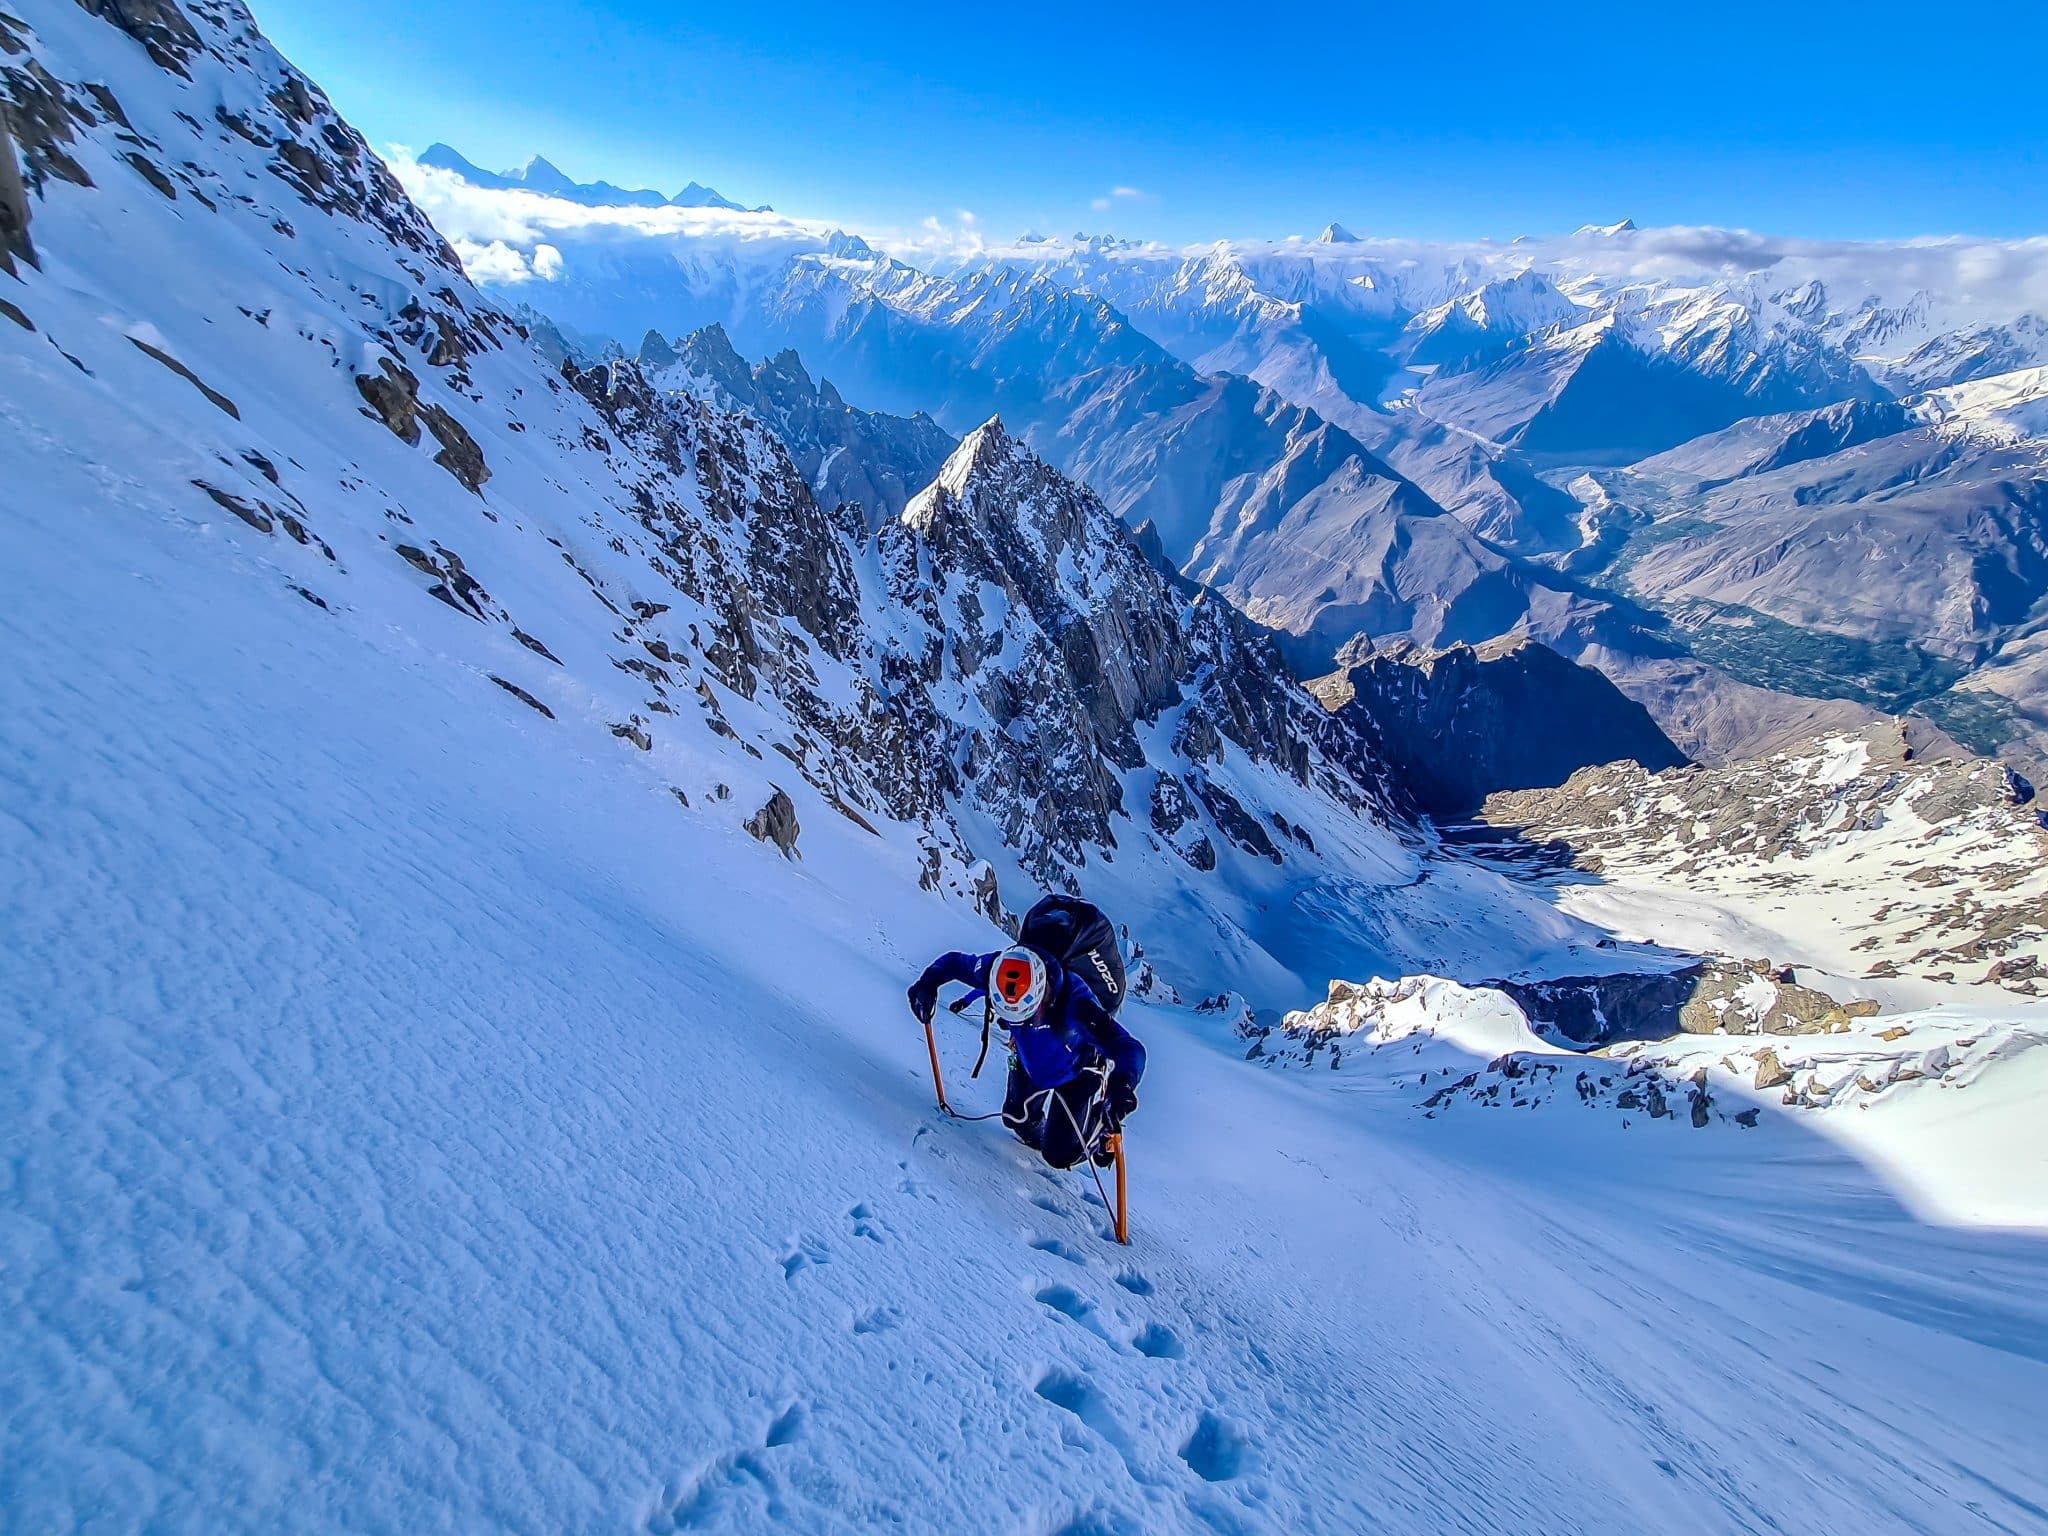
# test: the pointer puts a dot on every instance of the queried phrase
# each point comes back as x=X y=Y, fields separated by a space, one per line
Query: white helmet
x=1016 y=985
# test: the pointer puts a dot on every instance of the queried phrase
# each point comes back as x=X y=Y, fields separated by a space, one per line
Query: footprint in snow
x=806 y=1253
x=877 y=1320
x=865 y=1223
x=788 y=1426
x=1075 y=1307
x=1216 y=1450
x=739 y=1488
x=1135 y=1283
x=1156 y=1341
x=1078 y=1395
x=1060 y=1249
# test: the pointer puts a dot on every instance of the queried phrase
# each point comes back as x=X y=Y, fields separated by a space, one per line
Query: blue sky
x=1246 y=121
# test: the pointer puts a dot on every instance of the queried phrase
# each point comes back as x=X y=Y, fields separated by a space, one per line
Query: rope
x=1085 y=1138
x=1087 y=1151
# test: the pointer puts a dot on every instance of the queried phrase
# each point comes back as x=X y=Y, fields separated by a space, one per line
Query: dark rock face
x=394 y=394
x=869 y=458
x=1174 y=813
x=1021 y=586
x=1461 y=723
x=1739 y=997
x=1592 y=1010
x=14 y=241
x=776 y=823
x=156 y=24
x=459 y=453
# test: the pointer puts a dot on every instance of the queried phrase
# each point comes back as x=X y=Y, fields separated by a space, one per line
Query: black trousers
x=1055 y=1129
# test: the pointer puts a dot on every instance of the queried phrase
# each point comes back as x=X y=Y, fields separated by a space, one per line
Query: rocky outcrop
x=1925 y=865
x=1707 y=997
x=1020 y=586
x=868 y=458
x=1452 y=1049
x=158 y=25
x=776 y=823
x=459 y=454
x=1463 y=722
x=14 y=242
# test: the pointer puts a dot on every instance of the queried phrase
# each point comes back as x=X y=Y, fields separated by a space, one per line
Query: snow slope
x=413 y=1114
x=400 y=1136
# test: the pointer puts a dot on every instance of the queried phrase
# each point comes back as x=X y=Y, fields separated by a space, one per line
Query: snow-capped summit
x=1624 y=227
x=845 y=247
x=696 y=195
x=543 y=177
x=1336 y=234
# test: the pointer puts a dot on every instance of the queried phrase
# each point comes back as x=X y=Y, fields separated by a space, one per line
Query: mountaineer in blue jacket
x=1073 y=1069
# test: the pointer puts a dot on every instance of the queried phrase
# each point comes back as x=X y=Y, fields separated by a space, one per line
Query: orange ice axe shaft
x=938 y=1083
x=1123 y=1226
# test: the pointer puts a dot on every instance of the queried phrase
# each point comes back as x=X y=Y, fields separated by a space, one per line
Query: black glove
x=1121 y=1098
x=924 y=999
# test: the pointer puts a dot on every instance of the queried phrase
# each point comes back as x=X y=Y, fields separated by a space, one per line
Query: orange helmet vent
x=1013 y=980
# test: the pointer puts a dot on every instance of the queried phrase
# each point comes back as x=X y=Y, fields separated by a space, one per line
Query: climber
x=1073 y=1069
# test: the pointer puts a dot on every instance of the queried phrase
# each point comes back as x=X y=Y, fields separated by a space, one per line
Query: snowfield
x=410 y=1122
x=431 y=1099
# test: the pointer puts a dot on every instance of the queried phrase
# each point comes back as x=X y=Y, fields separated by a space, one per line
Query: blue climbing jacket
x=1072 y=1031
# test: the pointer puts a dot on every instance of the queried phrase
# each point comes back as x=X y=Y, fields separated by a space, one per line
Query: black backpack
x=1075 y=933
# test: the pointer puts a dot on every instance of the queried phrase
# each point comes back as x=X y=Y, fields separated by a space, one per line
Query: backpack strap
x=988 y=1013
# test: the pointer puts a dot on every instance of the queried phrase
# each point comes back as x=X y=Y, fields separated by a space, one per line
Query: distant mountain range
x=1767 y=487
x=538 y=176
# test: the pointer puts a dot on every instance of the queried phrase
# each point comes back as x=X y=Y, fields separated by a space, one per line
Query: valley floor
x=407 y=1123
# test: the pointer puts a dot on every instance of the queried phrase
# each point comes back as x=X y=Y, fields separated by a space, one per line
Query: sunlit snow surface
x=411 y=1117
x=407 y=1125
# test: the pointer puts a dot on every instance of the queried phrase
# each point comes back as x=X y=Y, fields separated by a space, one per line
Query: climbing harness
x=1112 y=1141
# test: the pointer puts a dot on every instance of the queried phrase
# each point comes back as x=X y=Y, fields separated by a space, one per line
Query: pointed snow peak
x=655 y=351
x=987 y=457
x=846 y=247
x=786 y=368
x=709 y=355
x=1336 y=234
x=441 y=157
x=539 y=175
x=1625 y=227
x=697 y=195
x=986 y=447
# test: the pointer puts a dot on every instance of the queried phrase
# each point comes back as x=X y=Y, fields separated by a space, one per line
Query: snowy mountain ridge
x=472 y=820
x=1489 y=377
x=538 y=176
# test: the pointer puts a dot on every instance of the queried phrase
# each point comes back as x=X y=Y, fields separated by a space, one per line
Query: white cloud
x=1125 y=192
x=547 y=263
x=523 y=219
x=1100 y=205
x=496 y=264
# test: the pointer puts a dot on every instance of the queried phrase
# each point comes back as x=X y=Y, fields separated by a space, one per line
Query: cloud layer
x=512 y=237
